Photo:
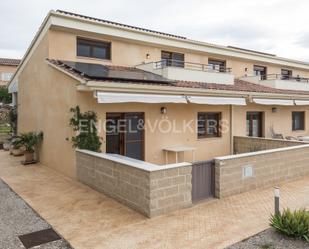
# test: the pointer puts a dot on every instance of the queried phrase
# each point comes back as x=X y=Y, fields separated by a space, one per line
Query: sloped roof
x=9 y=62
x=119 y=24
x=238 y=86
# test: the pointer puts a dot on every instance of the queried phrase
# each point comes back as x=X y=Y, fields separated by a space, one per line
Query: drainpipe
x=231 y=131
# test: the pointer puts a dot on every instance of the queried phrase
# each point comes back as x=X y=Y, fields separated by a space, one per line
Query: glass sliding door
x=254 y=124
x=125 y=134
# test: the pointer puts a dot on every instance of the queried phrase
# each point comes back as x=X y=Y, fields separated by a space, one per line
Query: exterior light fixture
x=246 y=69
x=147 y=56
x=274 y=109
x=163 y=110
x=277 y=200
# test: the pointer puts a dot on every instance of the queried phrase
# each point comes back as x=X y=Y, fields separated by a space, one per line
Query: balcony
x=280 y=81
x=189 y=71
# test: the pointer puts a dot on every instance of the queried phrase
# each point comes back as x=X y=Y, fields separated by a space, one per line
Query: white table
x=176 y=150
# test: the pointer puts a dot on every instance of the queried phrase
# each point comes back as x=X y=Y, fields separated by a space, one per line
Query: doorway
x=254 y=124
x=125 y=134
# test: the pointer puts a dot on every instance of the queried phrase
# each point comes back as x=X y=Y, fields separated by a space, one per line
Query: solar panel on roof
x=98 y=71
x=91 y=70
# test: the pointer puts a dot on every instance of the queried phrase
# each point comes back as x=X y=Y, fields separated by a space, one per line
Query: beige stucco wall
x=127 y=53
x=281 y=121
x=156 y=138
x=45 y=97
x=6 y=69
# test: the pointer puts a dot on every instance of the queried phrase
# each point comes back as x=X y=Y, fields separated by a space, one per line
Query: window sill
x=208 y=138
x=93 y=59
x=298 y=130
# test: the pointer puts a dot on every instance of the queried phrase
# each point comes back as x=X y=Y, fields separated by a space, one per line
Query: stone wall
x=269 y=168
x=252 y=144
x=148 y=188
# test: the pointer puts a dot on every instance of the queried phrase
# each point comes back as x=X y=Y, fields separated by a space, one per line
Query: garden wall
x=148 y=188
x=252 y=144
x=243 y=172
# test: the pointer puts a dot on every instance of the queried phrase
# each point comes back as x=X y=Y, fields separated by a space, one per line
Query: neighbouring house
x=210 y=113
x=7 y=69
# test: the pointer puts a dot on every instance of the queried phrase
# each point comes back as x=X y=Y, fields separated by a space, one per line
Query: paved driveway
x=88 y=219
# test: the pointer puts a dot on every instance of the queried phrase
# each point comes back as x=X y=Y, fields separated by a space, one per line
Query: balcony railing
x=191 y=65
x=284 y=77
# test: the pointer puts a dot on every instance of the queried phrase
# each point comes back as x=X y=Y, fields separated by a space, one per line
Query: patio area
x=89 y=219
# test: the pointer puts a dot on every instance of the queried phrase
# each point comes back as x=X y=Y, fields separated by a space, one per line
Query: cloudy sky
x=274 y=26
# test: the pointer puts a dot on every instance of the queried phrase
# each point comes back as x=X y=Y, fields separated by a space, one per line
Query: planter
x=17 y=152
x=29 y=156
x=6 y=146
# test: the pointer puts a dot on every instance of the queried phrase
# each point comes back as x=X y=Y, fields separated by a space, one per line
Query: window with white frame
x=6 y=76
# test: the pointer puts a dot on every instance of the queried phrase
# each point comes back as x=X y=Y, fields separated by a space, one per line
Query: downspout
x=231 y=131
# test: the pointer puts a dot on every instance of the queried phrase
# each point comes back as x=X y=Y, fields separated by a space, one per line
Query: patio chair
x=275 y=135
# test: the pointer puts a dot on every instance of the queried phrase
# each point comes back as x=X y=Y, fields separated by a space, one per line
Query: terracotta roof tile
x=238 y=86
x=150 y=79
x=9 y=62
x=119 y=24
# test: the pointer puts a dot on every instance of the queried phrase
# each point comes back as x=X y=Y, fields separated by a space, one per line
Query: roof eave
x=120 y=87
x=81 y=80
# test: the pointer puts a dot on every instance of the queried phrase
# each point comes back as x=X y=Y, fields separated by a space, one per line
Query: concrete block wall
x=170 y=190
x=152 y=190
x=251 y=144
x=269 y=168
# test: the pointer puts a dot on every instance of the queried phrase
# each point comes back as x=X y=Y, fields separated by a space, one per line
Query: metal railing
x=191 y=65
x=284 y=77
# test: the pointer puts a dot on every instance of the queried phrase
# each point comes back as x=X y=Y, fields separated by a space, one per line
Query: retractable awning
x=301 y=102
x=109 y=98
x=216 y=100
x=273 y=101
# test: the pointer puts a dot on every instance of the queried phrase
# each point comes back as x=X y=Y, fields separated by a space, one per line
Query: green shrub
x=294 y=224
x=29 y=140
x=83 y=123
x=5 y=96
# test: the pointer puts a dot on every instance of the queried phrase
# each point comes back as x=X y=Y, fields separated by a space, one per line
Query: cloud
x=274 y=26
x=303 y=40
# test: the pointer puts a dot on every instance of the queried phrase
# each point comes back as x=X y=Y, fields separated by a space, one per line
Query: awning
x=273 y=101
x=108 y=98
x=216 y=100
x=301 y=102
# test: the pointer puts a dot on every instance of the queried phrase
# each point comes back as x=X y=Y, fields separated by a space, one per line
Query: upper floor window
x=208 y=124
x=286 y=74
x=217 y=65
x=173 y=59
x=260 y=71
x=93 y=49
x=6 y=76
x=298 y=121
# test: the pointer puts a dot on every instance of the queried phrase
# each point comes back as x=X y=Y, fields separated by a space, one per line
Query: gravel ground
x=270 y=239
x=17 y=218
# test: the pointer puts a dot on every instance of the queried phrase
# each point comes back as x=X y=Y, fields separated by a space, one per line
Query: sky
x=275 y=26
